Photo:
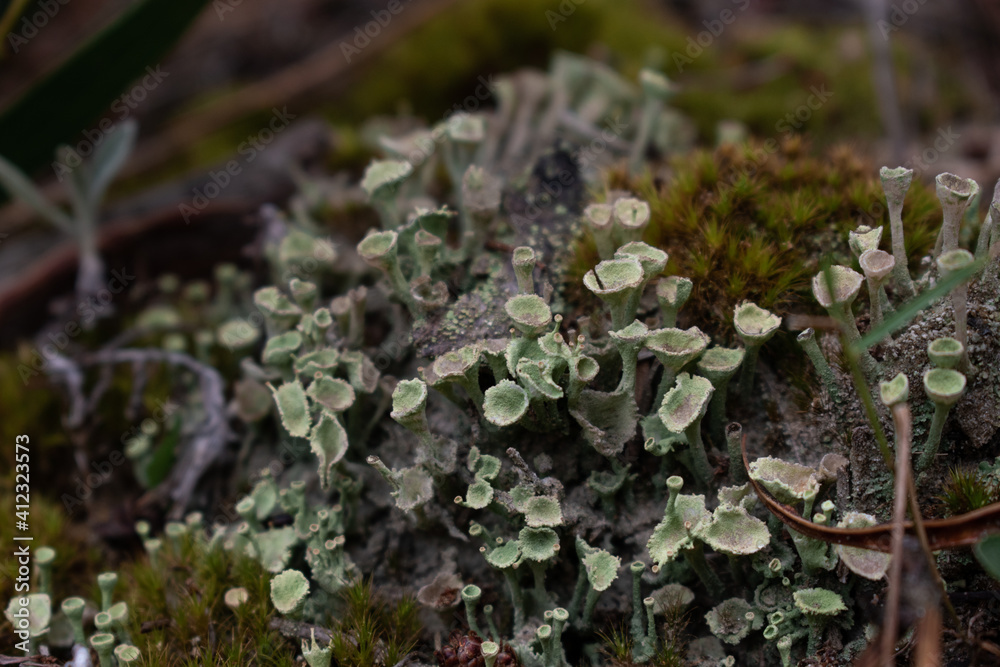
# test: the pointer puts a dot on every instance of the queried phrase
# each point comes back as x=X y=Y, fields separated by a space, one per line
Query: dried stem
x=890 y=631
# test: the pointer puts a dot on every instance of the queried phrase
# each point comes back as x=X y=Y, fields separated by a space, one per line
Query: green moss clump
x=754 y=221
x=372 y=630
x=967 y=490
x=181 y=603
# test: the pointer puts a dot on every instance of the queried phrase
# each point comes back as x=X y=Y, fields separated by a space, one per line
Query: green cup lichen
x=755 y=327
x=381 y=183
x=631 y=216
x=895 y=184
x=955 y=194
x=863 y=239
x=719 y=365
x=616 y=282
x=807 y=339
x=877 y=265
x=949 y=262
x=944 y=387
x=674 y=349
x=523 y=261
x=835 y=289
x=682 y=411
x=505 y=403
x=529 y=312
x=672 y=293
x=945 y=352
x=103 y=644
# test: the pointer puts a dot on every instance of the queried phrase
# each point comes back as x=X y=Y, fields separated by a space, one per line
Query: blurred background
x=911 y=82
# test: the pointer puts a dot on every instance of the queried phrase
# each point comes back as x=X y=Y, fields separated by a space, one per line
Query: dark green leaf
x=988 y=554
x=58 y=108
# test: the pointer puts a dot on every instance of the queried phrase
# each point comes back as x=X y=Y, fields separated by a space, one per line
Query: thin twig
x=925 y=545
x=212 y=433
x=60 y=366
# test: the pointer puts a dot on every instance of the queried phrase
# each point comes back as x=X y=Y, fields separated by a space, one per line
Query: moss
x=743 y=223
x=182 y=604
x=372 y=630
x=966 y=490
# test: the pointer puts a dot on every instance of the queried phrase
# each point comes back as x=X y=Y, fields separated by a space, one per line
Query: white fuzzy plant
x=87 y=184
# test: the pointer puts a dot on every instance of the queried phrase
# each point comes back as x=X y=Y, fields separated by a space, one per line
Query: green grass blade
x=909 y=310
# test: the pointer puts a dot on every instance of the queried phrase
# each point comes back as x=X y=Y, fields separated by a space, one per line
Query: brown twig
x=211 y=436
x=959 y=531
x=890 y=630
x=920 y=528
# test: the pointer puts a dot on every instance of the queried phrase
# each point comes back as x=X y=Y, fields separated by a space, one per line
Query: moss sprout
x=967 y=490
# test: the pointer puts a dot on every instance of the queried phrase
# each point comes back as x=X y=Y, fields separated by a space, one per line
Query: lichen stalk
x=636 y=626
x=699 y=458
x=695 y=558
x=734 y=437
x=933 y=436
x=807 y=339
x=747 y=372
x=895 y=183
x=516 y=596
